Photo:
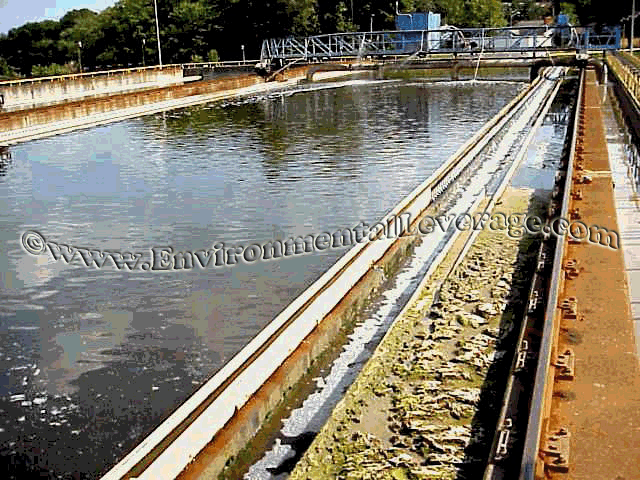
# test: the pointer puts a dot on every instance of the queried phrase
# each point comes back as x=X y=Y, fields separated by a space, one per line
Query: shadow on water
x=299 y=444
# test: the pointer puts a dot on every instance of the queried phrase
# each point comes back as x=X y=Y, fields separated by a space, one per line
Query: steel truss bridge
x=447 y=40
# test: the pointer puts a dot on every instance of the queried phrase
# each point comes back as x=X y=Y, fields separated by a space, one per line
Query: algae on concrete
x=414 y=411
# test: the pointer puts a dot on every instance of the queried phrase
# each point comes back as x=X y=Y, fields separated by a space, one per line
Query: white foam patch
x=467 y=83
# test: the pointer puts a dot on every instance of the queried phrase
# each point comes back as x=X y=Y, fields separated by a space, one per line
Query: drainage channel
x=509 y=439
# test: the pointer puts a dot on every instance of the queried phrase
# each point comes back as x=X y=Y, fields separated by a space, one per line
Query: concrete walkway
x=599 y=405
x=627 y=204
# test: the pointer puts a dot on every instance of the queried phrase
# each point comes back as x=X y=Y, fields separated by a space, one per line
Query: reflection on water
x=543 y=157
x=90 y=360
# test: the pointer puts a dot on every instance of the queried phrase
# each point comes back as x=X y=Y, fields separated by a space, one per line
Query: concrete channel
x=541 y=391
x=516 y=405
x=212 y=426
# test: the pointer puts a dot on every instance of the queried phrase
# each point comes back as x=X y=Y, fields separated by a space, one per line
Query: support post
x=155 y=5
x=633 y=23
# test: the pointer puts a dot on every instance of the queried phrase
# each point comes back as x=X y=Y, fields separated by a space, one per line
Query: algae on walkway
x=426 y=403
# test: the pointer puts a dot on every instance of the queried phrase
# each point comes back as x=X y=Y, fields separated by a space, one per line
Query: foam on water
x=468 y=83
x=305 y=88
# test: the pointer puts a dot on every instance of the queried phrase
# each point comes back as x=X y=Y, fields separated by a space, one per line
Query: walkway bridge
x=447 y=40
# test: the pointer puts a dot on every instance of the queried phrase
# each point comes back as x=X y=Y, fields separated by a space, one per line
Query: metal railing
x=443 y=40
x=100 y=73
x=230 y=63
x=627 y=70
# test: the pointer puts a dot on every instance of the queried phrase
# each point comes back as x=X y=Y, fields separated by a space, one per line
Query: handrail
x=385 y=42
x=629 y=77
x=87 y=74
x=228 y=63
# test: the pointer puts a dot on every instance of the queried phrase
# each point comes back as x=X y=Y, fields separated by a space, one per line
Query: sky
x=14 y=13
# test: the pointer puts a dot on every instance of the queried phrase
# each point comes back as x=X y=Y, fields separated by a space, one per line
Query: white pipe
x=633 y=23
x=155 y=6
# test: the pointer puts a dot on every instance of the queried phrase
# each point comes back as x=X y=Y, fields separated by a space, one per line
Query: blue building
x=412 y=42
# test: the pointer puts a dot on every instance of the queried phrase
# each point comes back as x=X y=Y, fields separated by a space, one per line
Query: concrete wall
x=84 y=108
x=42 y=115
x=19 y=94
x=230 y=441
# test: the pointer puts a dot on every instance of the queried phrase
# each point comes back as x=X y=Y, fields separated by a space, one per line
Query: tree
x=529 y=10
x=462 y=13
x=189 y=30
x=6 y=72
x=212 y=56
x=77 y=26
x=485 y=13
x=569 y=9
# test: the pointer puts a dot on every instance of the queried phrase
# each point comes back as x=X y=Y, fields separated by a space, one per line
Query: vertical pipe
x=633 y=23
x=155 y=6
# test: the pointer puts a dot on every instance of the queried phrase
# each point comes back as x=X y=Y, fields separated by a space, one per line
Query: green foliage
x=6 y=72
x=342 y=19
x=50 y=70
x=486 y=13
x=462 y=13
x=190 y=26
x=529 y=10
x=570 y=10
x=213 y=56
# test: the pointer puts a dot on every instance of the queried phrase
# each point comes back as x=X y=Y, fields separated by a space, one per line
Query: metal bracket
x=571 y=269
x=566 y=363
x=503 y=440
x=522 y=356
x=574 y=213
x=557 y=451
x=570 y=307
x=533 y=301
